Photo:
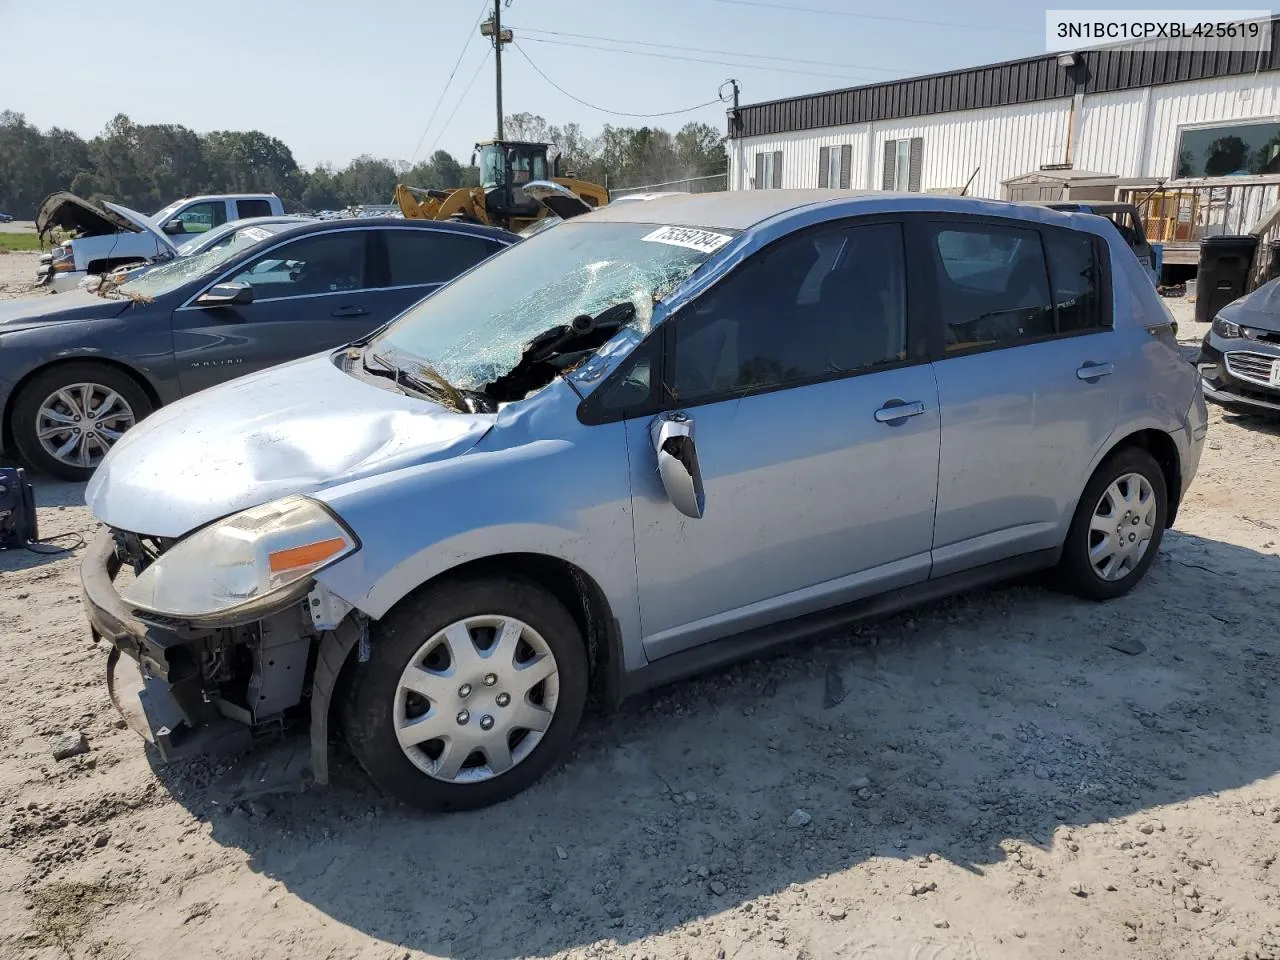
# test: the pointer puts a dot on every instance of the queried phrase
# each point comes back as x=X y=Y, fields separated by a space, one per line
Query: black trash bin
x=1223 y=276
x=1273 y=268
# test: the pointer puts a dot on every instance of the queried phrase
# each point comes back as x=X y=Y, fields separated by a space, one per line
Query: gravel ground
x=983 y=778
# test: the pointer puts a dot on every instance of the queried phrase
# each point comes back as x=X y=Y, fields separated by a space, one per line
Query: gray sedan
x=78 y=369
x=1240 y=354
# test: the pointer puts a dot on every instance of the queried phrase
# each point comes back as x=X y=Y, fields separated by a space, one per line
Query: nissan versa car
x=655 y=438
x=1240 y=354
x=78 y=369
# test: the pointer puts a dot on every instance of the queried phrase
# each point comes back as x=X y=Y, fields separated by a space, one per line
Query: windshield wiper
x=424 y=380
x=558 y=349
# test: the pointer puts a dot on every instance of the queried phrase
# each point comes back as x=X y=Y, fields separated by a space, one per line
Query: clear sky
x=335 y=79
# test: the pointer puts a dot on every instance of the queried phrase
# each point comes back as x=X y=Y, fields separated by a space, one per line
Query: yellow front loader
x=506 y=166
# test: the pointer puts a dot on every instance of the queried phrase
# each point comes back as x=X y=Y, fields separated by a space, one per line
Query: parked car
x=5 y=218
x=1240 y=354
x=652 y=439
x=79 y=369
x=248 y=230
x=108 y=235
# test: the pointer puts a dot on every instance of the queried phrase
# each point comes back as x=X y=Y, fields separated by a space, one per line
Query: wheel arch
x=1164 y=450
x=6 y=416
x=572 y=586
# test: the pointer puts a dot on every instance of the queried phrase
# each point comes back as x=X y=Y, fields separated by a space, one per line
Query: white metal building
x=1119 y=112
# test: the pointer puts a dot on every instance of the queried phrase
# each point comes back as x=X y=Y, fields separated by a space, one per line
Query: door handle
x=349 y=312
x=895 y=411
x=1090 y=371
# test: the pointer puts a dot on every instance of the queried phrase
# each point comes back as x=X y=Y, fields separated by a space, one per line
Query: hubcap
x=1123 y=524
x=476 y=699
x=78 y=423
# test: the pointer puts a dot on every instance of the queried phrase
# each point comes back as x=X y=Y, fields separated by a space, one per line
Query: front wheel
x=67 y=417
x=1117 y=528
x=473 y=690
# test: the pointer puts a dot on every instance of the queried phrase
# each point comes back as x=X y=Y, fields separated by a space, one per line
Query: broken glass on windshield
x=475 y=331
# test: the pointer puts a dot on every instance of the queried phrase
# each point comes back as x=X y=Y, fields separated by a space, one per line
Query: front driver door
x=310 y=294
x=816 y=427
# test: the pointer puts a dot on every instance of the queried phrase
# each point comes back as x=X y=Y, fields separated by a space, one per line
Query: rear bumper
x=153 y=680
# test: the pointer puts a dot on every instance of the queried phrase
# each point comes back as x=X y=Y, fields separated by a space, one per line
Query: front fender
x=145 y=348
x=567 y=499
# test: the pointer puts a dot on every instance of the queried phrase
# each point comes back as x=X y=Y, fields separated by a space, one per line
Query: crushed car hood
x=87 y=219
x=296 y=428
x=1260 y=309
x=64 y=308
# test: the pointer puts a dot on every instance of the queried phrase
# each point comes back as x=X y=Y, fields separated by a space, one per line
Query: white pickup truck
x=107 y=235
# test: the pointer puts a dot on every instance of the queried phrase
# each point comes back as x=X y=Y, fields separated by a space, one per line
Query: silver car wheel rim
x=1123 y=524
x=476 y=699
x=78 y=423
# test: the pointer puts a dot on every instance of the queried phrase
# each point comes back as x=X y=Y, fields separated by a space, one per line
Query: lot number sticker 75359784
x=690 y=237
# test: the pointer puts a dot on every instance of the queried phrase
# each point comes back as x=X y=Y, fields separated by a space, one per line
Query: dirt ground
x=983 y=778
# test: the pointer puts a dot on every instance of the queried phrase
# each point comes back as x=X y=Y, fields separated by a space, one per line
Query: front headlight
x=1225 y=328
x=244 y=566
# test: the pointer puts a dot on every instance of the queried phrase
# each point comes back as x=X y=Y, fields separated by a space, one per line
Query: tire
x=130 y=404
x=375 y=703
x=1090 y=577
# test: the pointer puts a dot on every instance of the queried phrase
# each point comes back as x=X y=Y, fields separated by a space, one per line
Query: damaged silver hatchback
x=657 y=438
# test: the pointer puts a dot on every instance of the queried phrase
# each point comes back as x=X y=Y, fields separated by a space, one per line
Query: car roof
x=364 y=223
x=743 y=209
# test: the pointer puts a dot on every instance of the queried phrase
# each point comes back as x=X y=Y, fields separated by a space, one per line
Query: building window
x=1230 y=150
x=768 y=170
x=902 y=165
x=835 y=166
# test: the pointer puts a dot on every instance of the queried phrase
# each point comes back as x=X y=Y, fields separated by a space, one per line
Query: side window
x=253 y=208
x=1077 y=293
x=814 y=305
x=200 y=217
x=992 y=285
x=416 y=257
x=633 y=387
x=326 y=263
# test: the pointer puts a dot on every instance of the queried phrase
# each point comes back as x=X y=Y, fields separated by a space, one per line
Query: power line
x=471 y=32
x=617 y=113
x=730 y=53
x=470 y=83
x=871 y=16
x=672 y=56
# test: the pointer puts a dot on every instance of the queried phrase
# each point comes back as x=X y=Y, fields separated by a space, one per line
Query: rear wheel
x=66 y=418
x=1117 y=528
x=473 y=690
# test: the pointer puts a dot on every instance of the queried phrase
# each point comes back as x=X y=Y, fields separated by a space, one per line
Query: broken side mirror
x=226 y=295
x=672 y=436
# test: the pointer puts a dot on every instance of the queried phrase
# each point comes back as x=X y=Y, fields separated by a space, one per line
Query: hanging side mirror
x=673 y=444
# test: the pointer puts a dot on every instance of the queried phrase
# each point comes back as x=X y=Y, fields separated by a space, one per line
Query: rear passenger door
x=1025 y=359
x=415 y=261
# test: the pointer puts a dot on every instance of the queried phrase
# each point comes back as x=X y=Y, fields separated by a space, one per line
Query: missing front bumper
x=167 y=710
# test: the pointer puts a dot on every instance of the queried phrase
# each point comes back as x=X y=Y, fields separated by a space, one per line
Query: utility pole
x=493 y=28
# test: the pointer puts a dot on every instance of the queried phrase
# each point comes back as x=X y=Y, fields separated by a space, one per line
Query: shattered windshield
x=474 y=331
x=167 y=277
